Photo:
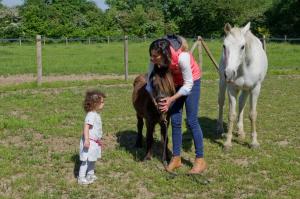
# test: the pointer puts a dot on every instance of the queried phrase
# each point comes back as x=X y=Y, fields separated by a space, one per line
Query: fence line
x=109 y=39
x=198 y=43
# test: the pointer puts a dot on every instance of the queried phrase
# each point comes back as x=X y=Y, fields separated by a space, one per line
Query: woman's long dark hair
x=162 y=46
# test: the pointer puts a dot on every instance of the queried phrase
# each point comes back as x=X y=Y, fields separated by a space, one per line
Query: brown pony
x=146 y=107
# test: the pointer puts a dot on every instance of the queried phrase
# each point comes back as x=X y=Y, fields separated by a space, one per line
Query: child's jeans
x=86 y=168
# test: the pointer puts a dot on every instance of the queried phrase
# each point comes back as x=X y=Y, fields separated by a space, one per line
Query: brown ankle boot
x=174 y=163
x=199 y=166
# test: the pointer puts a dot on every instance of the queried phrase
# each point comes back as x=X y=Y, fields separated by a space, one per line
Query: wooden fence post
x=20 y=41
x=200 y=59
x=66 y=41
x=39 y=59
x=126 y=56
x=44 y=40
x=89 y=40
x=107 y=39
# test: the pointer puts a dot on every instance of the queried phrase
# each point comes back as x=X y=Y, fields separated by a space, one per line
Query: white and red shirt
x=184 y=69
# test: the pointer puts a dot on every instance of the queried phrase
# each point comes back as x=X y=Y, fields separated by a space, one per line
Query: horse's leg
x=253 y=114
x=149 y=137
x=139 y=138
x=221 y=99
x=242 y=103
x=232 y=93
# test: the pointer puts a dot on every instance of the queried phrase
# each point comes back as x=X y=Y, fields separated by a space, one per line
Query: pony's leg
x=221 y=99
x=139 y=138
x=164 y=140
x=232 y=93
x=242 y=103
x=149 y=137
x=253 y=114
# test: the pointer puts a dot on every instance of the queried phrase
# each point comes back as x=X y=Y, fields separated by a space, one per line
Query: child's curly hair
x=92 y=99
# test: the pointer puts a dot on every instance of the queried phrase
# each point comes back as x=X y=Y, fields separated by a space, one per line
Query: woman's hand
x=164 y=104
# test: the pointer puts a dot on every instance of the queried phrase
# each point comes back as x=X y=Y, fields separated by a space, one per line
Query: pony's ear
x=246 y=28
x=227 y=28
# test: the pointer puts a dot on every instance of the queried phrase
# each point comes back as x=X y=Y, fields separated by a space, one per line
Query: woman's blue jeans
x=191 y=102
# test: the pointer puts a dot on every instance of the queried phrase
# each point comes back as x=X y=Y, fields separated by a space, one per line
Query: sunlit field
x=103 y=58
x=40 y=129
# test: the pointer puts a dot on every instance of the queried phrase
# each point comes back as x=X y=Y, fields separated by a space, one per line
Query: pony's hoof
x=220 y=130
x=254 y=145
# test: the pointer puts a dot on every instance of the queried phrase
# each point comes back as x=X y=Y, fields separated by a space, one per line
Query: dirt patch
x=25 y=78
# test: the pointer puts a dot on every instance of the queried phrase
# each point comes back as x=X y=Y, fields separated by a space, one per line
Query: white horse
x=243 y=67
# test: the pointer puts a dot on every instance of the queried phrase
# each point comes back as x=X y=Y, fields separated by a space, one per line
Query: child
x=90 y=143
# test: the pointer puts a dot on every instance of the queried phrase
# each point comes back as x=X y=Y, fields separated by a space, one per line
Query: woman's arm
x=186 y=69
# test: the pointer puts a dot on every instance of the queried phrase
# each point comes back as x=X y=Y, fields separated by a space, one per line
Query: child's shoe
x=84 y=181
x=91 y=177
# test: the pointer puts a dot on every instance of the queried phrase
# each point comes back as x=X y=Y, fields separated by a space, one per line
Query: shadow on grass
x=209 y=131
x=127 y=139
x=77 y=162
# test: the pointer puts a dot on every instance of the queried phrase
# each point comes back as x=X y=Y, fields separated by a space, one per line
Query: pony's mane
x=162 y=83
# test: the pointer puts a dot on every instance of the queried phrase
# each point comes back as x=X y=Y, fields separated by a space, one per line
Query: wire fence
x=111 y=55
x=109 y=39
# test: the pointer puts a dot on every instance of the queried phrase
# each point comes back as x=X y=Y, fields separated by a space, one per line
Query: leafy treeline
x=82 y=18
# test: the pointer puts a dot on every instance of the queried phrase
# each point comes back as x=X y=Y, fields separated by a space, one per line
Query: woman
x=172 y=52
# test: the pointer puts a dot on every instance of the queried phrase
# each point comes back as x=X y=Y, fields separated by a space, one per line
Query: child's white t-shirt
x=94 y=151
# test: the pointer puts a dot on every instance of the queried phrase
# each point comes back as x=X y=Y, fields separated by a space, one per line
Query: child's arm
x=86 y=136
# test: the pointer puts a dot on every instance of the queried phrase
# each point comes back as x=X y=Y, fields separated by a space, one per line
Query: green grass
x=40 y=128
x=105 y=58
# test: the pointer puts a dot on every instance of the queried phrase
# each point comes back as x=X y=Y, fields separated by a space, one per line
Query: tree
x=68 y=18
x=10 y=26
x=284 y=18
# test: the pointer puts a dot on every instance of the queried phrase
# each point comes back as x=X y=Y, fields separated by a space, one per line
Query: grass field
x=102 y=58
x=40 y=129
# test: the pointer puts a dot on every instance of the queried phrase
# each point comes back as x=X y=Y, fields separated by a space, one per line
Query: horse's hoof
x=227 y=148
x=254 y=145
x=241 y=136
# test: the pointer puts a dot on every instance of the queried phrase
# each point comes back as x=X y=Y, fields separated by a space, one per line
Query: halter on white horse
x=243 y=68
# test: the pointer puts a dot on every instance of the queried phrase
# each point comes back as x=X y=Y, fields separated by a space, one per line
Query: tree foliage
x=66 y=18
x=284 y=18
x=82 y=18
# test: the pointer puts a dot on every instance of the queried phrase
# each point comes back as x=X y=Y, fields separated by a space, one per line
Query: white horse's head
x=234 y=50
